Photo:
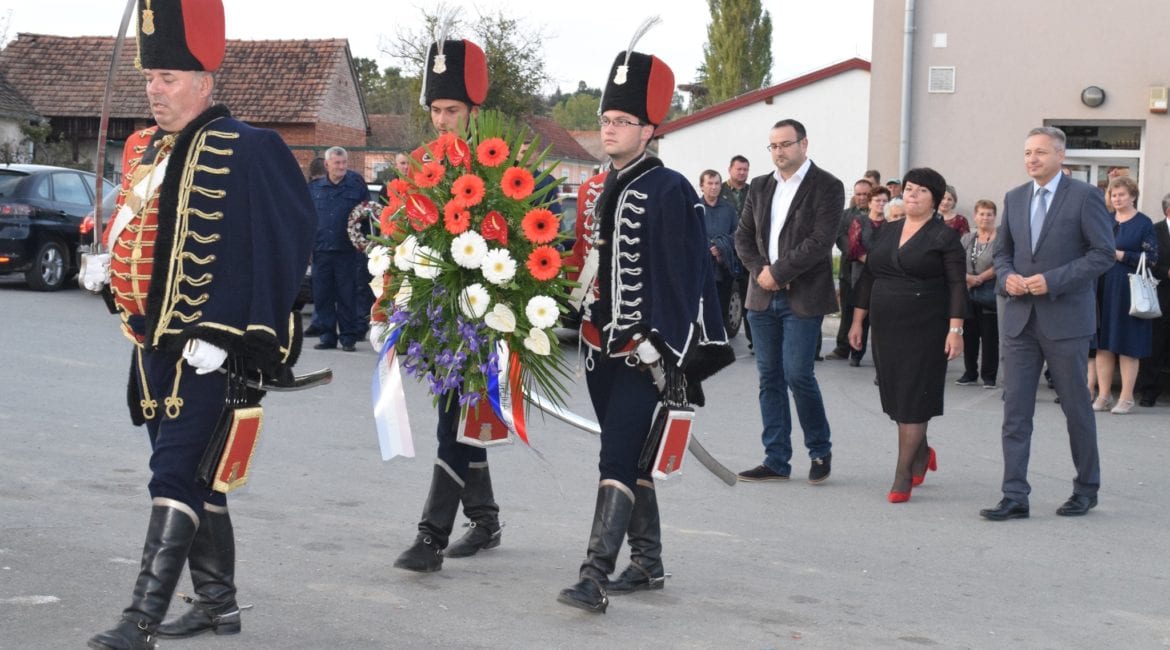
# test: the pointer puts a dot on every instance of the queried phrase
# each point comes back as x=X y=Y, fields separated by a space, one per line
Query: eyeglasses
x=619 y=122
x=783 y=145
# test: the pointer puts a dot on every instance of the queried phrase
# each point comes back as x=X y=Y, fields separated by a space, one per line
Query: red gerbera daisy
x=455 y=219
x=517 y=183
x=430 y=174
x=540 y=226
x=468 y=188
x=544 y=263
x=387 y=222
x=492 y=152
x=396 y=192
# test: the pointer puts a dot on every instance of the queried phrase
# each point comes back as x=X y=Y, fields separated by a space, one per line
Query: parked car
x=42 y=209
x=568 y=201
x=375 y=192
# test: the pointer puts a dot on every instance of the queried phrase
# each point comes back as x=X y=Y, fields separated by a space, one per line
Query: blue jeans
x=785 y=346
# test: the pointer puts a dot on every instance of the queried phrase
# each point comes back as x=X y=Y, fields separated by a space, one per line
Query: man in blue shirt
x=335 y=261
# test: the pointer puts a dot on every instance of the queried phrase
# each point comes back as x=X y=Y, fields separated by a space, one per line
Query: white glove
x=95 y=271
x=203 y=356
x=647 y=353
x=377 y=335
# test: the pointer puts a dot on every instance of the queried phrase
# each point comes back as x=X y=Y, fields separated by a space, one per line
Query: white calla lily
x=538 y=342
x=501 y=318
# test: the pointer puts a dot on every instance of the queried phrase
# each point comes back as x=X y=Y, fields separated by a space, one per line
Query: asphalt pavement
x=776 y=565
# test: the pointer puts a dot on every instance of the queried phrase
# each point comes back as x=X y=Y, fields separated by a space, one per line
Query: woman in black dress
x=914 y=291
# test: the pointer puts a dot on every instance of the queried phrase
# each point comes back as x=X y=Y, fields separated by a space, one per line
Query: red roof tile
x=13 y=105
x=564 y=147
x=281 y=81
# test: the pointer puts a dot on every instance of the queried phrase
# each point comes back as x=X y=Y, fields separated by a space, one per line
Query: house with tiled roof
x=574 y=163
x=15 y=114
x=306 y=90
x=832 y=103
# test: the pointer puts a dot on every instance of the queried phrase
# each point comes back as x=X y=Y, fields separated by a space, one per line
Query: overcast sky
x=583 y=36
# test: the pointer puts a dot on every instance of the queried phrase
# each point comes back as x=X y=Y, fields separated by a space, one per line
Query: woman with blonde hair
x=1123 y=339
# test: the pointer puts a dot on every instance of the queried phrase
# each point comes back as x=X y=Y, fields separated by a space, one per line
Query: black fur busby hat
x=180 y=35
x=455 y=69
x=639 y=84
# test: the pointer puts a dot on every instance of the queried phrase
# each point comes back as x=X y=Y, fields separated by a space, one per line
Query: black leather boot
x=168 y=539
x=479 y=506
x=645 y=538
x=213 y=573
x=610 y=520
x=434 y=530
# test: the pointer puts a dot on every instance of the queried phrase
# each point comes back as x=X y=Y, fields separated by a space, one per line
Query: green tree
x=578 y=112
x=513 y=49
x=387 y=91
x=737 y=57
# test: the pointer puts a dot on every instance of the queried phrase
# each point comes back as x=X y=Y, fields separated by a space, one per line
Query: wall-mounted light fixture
x=1092 y=96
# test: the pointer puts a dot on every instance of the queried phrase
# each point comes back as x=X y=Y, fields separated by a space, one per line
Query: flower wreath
x=468 y=265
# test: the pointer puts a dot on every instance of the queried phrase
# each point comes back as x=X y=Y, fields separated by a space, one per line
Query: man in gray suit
x=785 y=238
x=1055 y=240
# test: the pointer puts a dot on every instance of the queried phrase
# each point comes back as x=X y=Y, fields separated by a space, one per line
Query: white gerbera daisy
x=468 y=249
x=542 y=312
x=379 y=261
x=426 y=262
x=404 y=253
x=498 y=266
x=474 y=301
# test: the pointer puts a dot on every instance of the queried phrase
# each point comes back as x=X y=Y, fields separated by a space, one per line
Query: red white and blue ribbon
x=394 y=437
x=504 y=394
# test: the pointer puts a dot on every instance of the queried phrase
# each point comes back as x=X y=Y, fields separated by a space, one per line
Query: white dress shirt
x=781 y=202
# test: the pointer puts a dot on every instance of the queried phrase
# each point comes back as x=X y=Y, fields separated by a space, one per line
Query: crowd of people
x=956 y=282
x=657 y=265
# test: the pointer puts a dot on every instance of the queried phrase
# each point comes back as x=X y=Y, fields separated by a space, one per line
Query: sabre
x=696 y=448
x=103 y=127
x=299 y=382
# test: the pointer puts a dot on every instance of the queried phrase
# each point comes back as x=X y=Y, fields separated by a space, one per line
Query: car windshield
x=8 y=182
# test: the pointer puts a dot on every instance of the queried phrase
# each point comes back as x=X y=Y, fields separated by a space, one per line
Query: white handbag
x=1143 y=292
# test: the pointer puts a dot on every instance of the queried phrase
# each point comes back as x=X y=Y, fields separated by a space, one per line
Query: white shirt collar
x=798 y=176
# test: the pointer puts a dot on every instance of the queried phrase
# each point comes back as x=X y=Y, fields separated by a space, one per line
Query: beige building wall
x=832 y=110
x=1018 y=65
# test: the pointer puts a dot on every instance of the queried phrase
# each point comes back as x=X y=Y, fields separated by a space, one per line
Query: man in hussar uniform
x=649 y=305
x=207 y=247
x=455 y=84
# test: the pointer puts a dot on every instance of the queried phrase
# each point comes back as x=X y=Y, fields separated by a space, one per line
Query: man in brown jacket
x=785 y=240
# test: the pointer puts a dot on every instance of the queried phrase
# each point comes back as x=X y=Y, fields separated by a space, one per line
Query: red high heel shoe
x=931 y=465
x=898 y=497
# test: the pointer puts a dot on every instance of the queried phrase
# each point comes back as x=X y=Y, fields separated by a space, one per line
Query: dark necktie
x=1038 y=215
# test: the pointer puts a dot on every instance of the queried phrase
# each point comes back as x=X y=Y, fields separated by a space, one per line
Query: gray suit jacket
x=806 y=242
x=1075 y=248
